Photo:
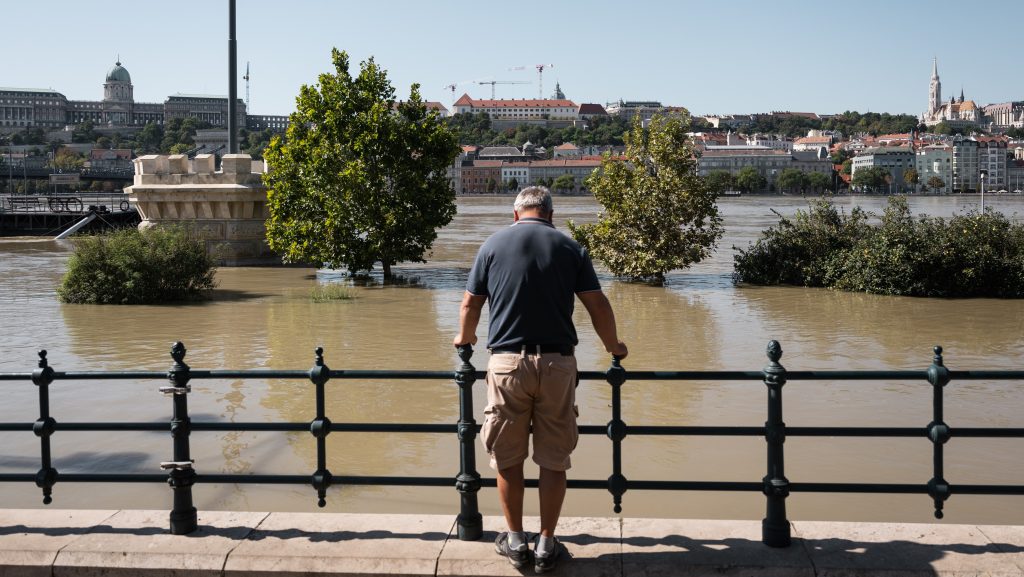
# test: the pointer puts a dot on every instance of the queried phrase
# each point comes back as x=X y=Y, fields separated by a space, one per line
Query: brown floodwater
x=265 y=318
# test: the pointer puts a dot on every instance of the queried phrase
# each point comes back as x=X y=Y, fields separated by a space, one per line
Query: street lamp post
x=982 y=192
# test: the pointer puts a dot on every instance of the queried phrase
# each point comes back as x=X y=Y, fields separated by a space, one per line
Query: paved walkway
x=114 y=543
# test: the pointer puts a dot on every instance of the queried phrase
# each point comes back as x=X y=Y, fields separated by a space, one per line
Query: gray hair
x=534 y=197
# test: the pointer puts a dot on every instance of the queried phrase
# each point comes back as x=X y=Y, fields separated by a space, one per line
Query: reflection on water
x=265 y=318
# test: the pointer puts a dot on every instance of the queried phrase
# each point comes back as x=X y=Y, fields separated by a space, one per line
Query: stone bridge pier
x=227 y=209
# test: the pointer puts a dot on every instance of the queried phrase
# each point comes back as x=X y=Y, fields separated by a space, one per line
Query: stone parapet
x=56 y=542
x=227 y=209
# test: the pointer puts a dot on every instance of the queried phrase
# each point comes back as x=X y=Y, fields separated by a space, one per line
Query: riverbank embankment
x=128 y=542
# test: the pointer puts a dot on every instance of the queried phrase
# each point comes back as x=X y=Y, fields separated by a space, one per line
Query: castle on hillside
x=956 y=112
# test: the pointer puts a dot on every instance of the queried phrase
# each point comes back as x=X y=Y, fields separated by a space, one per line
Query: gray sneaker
x=545 y=563
x=517 y=557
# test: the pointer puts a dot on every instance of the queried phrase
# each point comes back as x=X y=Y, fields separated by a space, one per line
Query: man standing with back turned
x=529 y=272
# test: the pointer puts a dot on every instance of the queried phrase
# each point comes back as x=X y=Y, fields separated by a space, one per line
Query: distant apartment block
x=934 y=160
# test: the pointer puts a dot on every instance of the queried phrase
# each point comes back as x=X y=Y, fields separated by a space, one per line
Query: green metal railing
x=182 y=475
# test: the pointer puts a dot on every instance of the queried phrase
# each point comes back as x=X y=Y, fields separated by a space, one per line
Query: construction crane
x=540 y=76
x=248 y=107
x=452 y=87
x=493 y=82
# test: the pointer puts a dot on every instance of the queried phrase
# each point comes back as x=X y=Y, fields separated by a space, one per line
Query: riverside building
x=22 y=108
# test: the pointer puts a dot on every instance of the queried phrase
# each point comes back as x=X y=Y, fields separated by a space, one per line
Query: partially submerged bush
x=131 y=267
x=968 y=255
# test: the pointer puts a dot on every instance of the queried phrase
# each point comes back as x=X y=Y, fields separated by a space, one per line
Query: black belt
x=529 y=349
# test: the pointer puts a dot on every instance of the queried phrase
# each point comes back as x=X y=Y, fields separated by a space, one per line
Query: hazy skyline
x=731 y=57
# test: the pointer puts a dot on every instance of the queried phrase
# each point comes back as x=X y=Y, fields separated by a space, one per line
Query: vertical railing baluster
x=938 y=431
x=44 y=427
x=181 y=474
x=775 y=529
x=616 y=375
x=320 y=428
x=470 y=521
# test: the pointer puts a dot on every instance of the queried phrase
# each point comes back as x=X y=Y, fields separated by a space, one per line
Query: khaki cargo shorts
x=525 y=390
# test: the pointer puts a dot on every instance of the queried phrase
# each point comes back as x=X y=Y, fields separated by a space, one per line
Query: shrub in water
x=794 y=251
x=138 y=267
x=968 y=255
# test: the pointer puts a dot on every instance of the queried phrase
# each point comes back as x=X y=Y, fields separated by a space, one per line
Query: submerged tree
x=359 y=178
x=658 y=214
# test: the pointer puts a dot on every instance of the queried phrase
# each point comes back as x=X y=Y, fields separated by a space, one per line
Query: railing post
x=470 y=521
x=616 y=375
x=181 y=476
x=44 y=427
x=320 y=428
x=775 y=529
x=938 y=431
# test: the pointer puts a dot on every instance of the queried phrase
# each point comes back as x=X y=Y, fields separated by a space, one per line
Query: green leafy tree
x=359 y=180
x=847 y=166
x=792 y=179
x=66 y=160
x=750 y=180
x=658 y=215
x=936 y=183
x=818 y=181
x=719 y=181
x=513 y=185
x=491 y=185
x=565 y=183
x=84 y=132
x=911 y=178
x=872 y=178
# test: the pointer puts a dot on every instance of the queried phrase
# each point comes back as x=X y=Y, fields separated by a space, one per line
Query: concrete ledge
x=85 y=543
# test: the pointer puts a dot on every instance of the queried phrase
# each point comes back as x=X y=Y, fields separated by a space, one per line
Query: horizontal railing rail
x=182 y=474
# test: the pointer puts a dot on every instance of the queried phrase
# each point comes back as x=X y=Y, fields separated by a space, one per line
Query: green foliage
x=658 y=215
x=155 y=266
x=67 y=160
x=719 y=181
x=513 y=184
x=565 y=182
x=872 y=178
x=750 y=180
x=819 y=181
x=327 y=293
x=358 y=179
x=793 y=251
x=936 y=183
x=911 y=177
x=84 y=132
x=968 y=255
x=792 y=179
x=30 y=135
x=476 y=129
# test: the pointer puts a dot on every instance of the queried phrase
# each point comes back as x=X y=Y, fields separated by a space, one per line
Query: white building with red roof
x=519 y=109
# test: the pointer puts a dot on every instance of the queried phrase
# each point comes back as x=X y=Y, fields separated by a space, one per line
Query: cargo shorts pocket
x=494 y=424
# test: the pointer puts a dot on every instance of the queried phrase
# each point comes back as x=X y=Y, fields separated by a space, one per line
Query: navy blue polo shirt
x=530 y=273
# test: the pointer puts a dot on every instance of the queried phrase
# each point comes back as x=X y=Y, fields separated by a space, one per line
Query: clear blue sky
x=712 y=57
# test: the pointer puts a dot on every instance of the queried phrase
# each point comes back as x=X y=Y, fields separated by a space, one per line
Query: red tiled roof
x=565 y=163
x=567 y=146
x=592 y=109
x=813 y=140
x=546 y=103
x=488 y=163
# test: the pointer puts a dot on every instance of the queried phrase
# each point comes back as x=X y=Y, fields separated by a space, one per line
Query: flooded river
x=265 y=318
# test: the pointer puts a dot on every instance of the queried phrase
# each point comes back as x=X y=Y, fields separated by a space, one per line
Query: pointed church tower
x=934 y=89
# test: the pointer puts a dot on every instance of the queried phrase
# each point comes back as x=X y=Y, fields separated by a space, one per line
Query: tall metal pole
x=233 y=81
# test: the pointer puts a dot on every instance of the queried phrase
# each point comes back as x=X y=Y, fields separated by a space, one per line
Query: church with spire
x=955 y=112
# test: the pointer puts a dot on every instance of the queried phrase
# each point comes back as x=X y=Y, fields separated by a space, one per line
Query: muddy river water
x=265 y=318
